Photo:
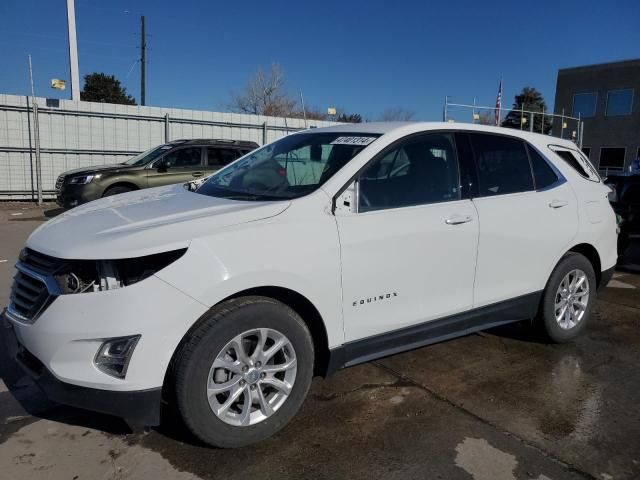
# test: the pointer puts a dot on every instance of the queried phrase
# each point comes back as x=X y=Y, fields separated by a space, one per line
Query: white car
x=325 y=249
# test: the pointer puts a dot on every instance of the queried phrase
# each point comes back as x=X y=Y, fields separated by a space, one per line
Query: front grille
x=29 y=297
x=34 y=287
x=59 y=182
x=41 y=263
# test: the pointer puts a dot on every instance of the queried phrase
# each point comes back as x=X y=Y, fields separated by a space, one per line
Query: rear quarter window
x=577 y=161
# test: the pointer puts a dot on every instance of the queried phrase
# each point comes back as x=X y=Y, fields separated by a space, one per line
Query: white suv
x=324 y=249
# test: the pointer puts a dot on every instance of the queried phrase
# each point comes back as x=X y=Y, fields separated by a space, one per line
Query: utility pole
x=304 y=112
x=143 y=60
x=73 y=51
x=36 y=135
x=445 y=109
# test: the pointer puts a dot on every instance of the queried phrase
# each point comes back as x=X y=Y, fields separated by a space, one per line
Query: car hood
x=143 y=222
x=99 y=168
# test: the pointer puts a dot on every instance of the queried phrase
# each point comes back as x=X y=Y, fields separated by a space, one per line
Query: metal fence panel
x=82 y=134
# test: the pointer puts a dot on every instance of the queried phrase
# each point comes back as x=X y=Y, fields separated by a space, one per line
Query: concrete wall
x=78 y=134
x=601 y=130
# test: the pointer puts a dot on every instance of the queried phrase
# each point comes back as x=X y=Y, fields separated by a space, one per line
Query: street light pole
x=73 y=51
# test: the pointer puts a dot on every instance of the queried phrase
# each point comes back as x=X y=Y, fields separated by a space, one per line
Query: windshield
x=149 y=155
x=293 y=166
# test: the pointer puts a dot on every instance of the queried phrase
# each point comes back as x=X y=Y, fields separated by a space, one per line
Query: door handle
x=197 y=174
x=558 y=203
x=458 y=219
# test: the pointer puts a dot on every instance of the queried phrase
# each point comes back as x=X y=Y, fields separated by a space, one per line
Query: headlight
x=84 y=179
x=80 y=276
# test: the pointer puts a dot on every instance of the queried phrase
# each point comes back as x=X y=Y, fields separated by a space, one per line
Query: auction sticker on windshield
x=353 y=140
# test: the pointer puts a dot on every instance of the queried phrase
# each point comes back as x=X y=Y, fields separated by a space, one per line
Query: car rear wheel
x=568 y=298
x=116 y=190
x=244 y=371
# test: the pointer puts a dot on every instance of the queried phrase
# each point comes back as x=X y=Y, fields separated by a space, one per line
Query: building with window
x=607 y=98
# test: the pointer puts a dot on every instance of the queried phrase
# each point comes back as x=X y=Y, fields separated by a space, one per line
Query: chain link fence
x=557 y=125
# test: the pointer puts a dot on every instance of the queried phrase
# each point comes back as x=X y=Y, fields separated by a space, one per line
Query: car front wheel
x=244 y=371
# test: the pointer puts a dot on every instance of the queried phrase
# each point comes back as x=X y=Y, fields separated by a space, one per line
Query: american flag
x=499 y=104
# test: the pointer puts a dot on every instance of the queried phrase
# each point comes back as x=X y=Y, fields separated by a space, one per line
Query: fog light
x=114 y=354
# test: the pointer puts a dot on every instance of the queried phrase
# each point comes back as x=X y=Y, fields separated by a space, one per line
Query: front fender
x=244 y=258
x=135 y=181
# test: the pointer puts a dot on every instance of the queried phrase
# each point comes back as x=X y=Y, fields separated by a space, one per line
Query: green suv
x=179 y=161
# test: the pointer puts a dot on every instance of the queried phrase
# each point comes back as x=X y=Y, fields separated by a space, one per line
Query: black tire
x=547 y=320
x=197 y=353
x=116 y=190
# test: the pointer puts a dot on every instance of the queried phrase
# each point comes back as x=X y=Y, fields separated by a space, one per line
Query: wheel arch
x=296 y=301
x=307 y=311
x=590 y=252
x=121 y=183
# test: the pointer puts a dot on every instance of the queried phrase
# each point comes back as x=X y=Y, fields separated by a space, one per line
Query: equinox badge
x=375 y=298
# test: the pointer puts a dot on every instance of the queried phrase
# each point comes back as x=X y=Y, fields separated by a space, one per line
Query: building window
x=587 y=152
x=612 y=158
x=584 y=104
x=619 y=102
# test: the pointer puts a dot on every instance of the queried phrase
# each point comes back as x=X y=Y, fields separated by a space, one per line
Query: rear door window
x=220 y=157
x=543 y=174
x=183 y=158
x=503 y=164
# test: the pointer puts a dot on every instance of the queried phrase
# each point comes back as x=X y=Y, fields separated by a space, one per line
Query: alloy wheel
x=572 y=299
x=251 y=377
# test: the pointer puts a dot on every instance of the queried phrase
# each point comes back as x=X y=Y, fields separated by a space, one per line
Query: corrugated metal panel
x=81 y=134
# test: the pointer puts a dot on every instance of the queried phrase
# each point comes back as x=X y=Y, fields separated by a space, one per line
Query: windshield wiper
x=248 y=196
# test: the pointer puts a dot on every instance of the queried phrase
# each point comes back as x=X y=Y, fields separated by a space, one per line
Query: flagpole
x=500 y=109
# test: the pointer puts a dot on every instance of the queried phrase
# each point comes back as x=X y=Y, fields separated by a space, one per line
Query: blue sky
x=361 y=56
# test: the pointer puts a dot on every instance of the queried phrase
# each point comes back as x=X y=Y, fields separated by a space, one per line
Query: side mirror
x=347 y=201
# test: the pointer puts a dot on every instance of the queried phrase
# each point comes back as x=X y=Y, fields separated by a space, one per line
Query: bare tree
x=397 y=114
x=341 y=115
x=264 y=94
x=313 y=113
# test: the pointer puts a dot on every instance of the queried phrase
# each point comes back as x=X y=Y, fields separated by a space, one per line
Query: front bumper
x=138 y=408
x=59 y=348
x=70 y=196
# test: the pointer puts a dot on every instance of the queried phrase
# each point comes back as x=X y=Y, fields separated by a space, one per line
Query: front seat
x=427 y=176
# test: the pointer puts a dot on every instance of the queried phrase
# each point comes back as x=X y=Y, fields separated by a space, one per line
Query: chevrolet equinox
x=324 y=249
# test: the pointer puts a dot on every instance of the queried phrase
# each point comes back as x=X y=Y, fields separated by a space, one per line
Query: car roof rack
x=213 y=141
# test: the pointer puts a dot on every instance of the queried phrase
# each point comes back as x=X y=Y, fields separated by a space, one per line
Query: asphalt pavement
x=499 y=405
